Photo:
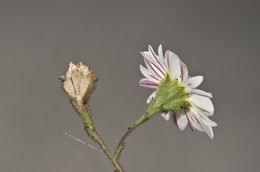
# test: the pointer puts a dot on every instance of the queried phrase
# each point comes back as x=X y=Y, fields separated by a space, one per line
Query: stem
x=151 y=112
x=106 y=151
x=80 y=103
x=121 y=143
x=90 y=130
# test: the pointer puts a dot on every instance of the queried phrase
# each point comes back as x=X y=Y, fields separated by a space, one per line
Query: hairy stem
x=151 y=112
x=121 y=143
x=90 y=130
x=97 y=138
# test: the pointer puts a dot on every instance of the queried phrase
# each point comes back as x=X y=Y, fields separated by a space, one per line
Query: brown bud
x=78 y=82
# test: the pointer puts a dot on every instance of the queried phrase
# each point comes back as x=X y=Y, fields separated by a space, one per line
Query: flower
x=78 y=82
x=199 y=105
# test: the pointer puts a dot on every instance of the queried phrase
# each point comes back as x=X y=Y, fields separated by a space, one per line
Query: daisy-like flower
x=160 y=66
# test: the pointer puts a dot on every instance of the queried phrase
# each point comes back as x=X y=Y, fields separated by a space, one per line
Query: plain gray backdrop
x=217 y=39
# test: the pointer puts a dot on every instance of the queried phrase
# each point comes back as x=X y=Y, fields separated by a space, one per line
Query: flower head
x=78 y=82
x=170 y=73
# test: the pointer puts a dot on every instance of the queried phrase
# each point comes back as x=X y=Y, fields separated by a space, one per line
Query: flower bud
x=78 y=83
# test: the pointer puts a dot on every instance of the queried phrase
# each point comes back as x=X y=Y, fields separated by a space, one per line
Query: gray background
x=38 y=39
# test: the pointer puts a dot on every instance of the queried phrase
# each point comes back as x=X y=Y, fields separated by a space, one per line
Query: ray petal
x=166 y=116
x=147 y=83
x=203 y=103
x=181 y=120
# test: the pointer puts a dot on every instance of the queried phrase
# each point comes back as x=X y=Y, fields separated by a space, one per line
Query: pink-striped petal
x=207 y=129
x=194 y=82
x=207 y=121
x=173 y=63
x=201 y=93
x=147 y=83
x=161 y=71
x=160 y=54
x=195 y=121
x=167 y=60
x=189 y=121
x=174 y=119
x=149 y=75
x=156 y=58
x=181 y=119
x=184 y=72
x=203 y=117
x=203 y=103
x=154 y=68
x=206 y=113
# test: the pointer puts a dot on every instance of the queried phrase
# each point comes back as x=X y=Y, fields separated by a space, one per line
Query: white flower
x=196 y=115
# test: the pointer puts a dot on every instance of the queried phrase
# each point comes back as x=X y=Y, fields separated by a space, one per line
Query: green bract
x=170 y=96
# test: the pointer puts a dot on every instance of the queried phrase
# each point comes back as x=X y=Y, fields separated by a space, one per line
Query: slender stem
x=90 y=130
x=152 y=111
x=121 y=144
x=80 y=103
x=106 y=151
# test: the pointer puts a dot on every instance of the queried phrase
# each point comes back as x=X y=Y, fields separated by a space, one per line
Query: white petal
x=207 y=121
x=154 y=68
x=147 y=83
x=151 y=97
x=207 y=129
x=181 y=120
x=194 y=121
x=184 y=72
x=189 y=121
x=146 y=55
x=156 y=58
x=173 y=62
x=201 y=93
x=203 y=117
x=158 y=69
x=203 y=103
x=166 y=116
x=194 y=82
x=160 y=54
x=148 y=74
x=203 y=112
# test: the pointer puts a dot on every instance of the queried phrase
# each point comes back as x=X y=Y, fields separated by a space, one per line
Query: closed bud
x=78 y=83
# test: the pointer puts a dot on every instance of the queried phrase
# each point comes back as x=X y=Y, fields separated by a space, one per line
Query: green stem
x=151 y=112
x=90 y=130
x=121 y=143
x=97 y=138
